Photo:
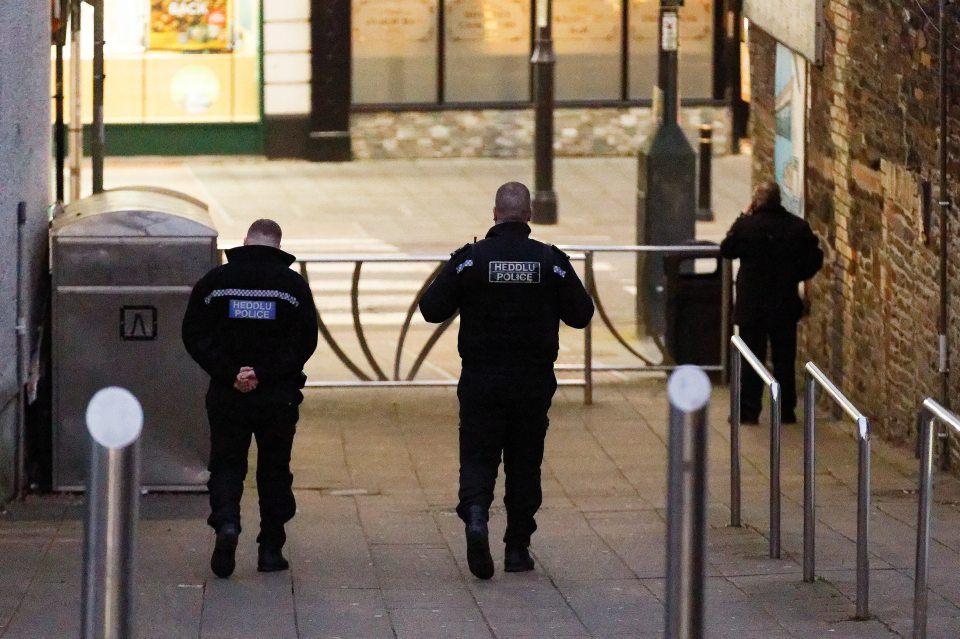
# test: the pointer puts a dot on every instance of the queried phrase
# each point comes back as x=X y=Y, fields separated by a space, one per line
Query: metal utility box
x=124 y=262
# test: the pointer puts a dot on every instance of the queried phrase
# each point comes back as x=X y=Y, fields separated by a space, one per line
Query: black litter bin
x=693 y=309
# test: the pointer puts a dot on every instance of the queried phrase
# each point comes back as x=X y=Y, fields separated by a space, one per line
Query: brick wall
x=872 y=140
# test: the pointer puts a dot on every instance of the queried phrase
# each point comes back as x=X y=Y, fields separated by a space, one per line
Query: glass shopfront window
x=696 y=48
x=484 y=54
x=174 y=61
x=586 y=36
x=394 y=51
x=487 y=50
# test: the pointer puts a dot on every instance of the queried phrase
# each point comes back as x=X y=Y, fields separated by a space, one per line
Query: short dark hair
x=767 y=194
x=265 y=231
x=512 y=202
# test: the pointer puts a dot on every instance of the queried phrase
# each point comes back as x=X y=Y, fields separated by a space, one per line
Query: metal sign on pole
x=114 y=421
x=666 y=183
x=689 y=393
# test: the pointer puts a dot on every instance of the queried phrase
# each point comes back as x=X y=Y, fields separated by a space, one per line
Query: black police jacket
x=252 y=311
x=777 y=251
x=512 y=292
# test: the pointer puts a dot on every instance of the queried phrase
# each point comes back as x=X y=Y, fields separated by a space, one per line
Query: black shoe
x=223 y=560
x=271 y=559
x=749 y=420
x=478 y=546
x=517 y=559
x=788 y=418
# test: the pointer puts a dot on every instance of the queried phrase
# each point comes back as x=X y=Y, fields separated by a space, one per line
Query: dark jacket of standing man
x=777 y=251
x=512 y=292
x=251 y=324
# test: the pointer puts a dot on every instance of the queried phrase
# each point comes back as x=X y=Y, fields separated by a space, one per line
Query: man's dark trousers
x=504 y=412
x=231 y=427
x=783 y=353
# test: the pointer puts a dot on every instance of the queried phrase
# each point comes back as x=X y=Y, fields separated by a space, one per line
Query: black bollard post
x=704 y=193
x=544 y=61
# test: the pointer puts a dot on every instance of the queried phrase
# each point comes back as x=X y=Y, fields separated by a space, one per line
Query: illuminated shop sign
x=190 y=25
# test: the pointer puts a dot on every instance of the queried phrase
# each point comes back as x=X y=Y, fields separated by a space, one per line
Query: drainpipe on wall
x=945 y=205
x=20 y=474
x=76 y=114
x=60 y=137
x=98 y=143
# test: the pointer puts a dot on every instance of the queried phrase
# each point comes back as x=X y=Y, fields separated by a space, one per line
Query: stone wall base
x=579 y=132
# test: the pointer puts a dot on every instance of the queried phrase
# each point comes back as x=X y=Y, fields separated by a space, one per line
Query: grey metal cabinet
x=124 y=262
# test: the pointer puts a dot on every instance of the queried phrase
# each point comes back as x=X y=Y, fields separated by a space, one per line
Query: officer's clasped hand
x=246 y=380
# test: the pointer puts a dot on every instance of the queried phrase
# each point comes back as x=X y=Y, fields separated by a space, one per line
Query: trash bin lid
x=135 y=212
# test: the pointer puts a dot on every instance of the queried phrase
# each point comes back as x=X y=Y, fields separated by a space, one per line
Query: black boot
x=478 y=547
x=223 y=560
x=516 y=558
x=271 y=559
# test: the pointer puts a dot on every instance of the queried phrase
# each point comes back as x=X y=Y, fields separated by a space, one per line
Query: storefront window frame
x=441 y=104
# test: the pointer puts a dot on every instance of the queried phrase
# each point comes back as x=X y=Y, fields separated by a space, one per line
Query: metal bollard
x=705 y=175
x=114 y=420
x=689 y=393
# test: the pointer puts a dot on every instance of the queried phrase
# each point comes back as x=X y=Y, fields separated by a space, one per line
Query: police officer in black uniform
x=777 y=251
x=511 y=292
x=251 y=324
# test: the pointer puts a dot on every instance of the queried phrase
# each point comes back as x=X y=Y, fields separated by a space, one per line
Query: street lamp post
x=544 y=64
x=666 y=184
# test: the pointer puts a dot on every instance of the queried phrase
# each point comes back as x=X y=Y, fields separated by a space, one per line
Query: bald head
x=512 y=203
x=263 y=233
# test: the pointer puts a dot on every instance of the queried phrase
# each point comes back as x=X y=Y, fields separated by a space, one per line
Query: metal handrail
x=739 y=353
x=814 y=377
x=930 y=413
x=376 y=375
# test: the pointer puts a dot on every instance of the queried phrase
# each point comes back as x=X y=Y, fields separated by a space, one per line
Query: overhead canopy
x=797 y=24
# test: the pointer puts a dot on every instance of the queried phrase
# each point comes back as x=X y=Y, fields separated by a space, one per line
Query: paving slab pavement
x=376 y=549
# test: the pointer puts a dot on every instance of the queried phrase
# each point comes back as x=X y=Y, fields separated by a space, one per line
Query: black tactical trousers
x=783 y=353
x=231 y=427
x=504 y=413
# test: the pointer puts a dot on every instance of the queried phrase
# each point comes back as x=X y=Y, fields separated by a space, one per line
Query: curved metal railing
x=372 y=371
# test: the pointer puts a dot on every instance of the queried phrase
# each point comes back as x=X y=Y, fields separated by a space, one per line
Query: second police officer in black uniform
x=511 y=292
x=251 y=324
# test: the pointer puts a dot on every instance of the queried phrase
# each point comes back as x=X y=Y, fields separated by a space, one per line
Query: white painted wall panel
x=285 y=68
x=286 y=36
x=286 y=99
x=286 y=10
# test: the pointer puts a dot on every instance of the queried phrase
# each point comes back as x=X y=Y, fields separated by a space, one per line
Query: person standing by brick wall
x=777 y=250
